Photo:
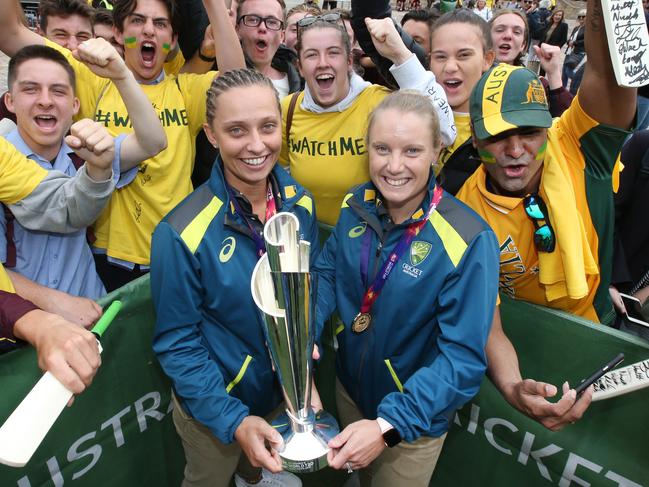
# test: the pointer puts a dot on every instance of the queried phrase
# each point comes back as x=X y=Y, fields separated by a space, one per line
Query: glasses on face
x=581 y=16
x=332 y=18
x=271 y=23
x=536 y=210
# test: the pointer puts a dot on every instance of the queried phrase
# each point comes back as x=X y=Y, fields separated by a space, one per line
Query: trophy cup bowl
x=283 y=290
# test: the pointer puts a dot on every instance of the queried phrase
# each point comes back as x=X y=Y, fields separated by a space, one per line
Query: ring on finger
x=349 y=467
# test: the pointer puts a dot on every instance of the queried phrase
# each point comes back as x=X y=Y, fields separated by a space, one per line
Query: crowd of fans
x=483 y=142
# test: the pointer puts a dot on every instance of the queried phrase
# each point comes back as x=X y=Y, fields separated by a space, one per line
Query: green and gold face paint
x=540 y=154
x=130 y=42
x=166 y=47
x=486 y=156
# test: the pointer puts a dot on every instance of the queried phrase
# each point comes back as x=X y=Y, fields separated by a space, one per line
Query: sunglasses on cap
x=271 y=23
x=535 y=208
x=332 y=18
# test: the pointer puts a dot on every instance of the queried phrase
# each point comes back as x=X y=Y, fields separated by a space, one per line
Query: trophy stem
x=303 y=423
x=284 y=291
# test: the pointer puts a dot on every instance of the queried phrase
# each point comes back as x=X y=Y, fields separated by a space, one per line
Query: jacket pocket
x=240 y=374
x=395 y=378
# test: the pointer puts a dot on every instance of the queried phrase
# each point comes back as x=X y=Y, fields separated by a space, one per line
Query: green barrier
x=119 y=432
x=493 y=444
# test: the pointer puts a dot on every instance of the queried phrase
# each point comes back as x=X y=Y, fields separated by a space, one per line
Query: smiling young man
x=545 y=187
x=146 y=28
x=56 y=271
x=53 y=202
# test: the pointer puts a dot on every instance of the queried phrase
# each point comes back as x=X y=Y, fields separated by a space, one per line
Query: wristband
x=205 y=58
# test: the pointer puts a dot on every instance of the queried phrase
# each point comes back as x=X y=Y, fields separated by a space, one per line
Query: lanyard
x=372 y=294
x=271 y=209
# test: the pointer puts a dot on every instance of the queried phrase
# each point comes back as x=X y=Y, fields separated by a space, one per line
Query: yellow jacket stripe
x=193 y=233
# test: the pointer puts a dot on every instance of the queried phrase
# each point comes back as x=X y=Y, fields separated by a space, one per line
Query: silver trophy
x=283 y=290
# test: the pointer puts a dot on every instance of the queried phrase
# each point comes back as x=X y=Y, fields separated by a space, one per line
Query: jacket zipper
x=364 y=351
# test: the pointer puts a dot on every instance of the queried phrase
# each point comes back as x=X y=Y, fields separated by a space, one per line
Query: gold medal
x=361 y=322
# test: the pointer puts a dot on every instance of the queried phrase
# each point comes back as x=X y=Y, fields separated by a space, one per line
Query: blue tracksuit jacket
x=423 y=356
x=209 y=334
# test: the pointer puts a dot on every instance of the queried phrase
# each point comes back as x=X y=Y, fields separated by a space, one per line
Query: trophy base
x=306 y=452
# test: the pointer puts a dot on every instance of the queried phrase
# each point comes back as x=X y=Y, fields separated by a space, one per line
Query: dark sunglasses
x=332 y=18
x=581 y=16
x=271 y=23
x=536 y=210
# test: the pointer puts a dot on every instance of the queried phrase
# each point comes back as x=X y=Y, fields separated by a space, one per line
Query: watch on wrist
x=204 y=57
x=391 y=437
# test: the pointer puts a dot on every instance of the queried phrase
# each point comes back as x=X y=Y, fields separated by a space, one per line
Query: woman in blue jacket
x=209 y=334
x=413 y=274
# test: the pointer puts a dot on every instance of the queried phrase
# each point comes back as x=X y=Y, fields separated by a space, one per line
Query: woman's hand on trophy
x=356 y=446
x=252 y=435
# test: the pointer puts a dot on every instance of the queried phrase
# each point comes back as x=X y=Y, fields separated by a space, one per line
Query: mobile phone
x=632 y=306
x=583 y=385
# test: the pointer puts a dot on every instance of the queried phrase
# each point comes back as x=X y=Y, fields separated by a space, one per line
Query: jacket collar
x=286 y=190
x=367 y=203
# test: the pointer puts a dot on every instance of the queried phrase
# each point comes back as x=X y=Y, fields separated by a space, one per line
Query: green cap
x=508 y=97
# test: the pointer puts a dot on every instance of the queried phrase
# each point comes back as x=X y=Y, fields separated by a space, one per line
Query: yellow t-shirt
x=125 y=227
x=173 y=67
x=519 y=259
x=326 y=152
x=569 y=141
x=19 y=177
x=463 y=127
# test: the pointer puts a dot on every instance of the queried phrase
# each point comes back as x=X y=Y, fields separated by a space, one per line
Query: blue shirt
x=55 y=260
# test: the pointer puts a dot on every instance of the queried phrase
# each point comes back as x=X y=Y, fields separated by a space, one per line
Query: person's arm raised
x=409 y=74
x=599 y=94
x=148 y=137
x=13 y=34
x=227 y=47
x=197 y=63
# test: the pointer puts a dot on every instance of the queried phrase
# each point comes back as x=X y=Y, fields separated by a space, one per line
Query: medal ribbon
x=271 y=209
x=411 y=232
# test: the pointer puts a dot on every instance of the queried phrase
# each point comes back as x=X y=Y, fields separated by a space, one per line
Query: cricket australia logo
x=419 y=250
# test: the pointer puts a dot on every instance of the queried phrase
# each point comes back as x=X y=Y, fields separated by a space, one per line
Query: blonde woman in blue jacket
x=413 y=274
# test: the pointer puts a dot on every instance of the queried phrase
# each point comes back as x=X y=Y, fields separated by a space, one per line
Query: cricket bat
x=23 y=431
x=628 y=41
x=622 y=381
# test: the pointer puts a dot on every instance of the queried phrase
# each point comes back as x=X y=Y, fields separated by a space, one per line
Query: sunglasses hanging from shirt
x=535 y=209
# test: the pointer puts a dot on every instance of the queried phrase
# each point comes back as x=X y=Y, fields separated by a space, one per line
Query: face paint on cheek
x=166 y=47
x=486 y=156
x=540 y=155
x=130 y=42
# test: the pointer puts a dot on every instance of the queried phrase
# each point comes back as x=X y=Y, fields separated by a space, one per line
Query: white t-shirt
x=281 y=85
